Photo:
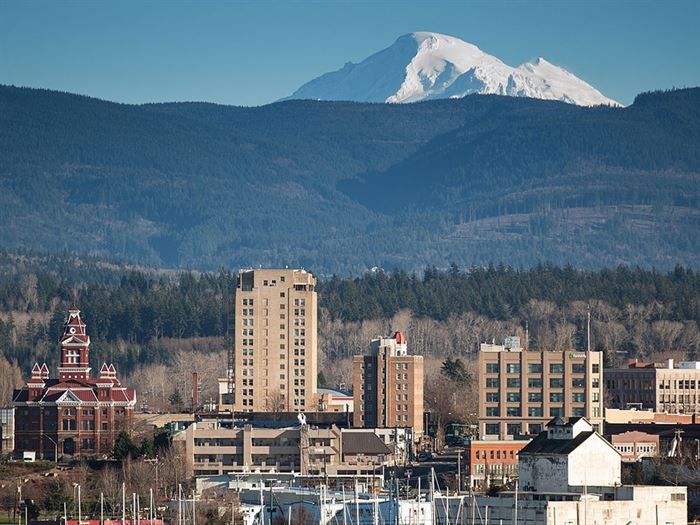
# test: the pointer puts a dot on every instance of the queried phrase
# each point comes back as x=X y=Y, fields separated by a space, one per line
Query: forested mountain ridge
x=343 y=187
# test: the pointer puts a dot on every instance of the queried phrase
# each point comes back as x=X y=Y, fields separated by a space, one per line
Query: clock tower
x=75 y=348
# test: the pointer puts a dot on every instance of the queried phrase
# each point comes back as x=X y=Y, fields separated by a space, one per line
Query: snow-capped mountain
x=420 y=66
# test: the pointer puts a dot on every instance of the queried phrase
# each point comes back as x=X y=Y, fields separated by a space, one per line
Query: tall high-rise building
x=388 y=386
x=521 y=390
x=273 y=363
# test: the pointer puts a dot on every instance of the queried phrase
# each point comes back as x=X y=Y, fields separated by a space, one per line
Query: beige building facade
x=520 y=390
x=388 y=386
x=214 y=449
x=661 y=388
x=273 y=363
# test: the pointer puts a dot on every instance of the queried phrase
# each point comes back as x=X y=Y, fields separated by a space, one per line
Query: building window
x=556 y=382
x=534 y=368
x=596 y=368
x=513 y=429
x=491 y=382
x=513 y=382
x=578 y=368
x=513 y=397
x=577 y=412
x=534 y=382
x=577 y=397
x=492 y=412
x=534 y=397
x=534 y=411
x=535 y=428
x=556 y=397
x=492 y=429
x=491 y=368
x=492 y=397
x=513 y=411
x=556 y=368
x=556 y=412
x=578 y=382
x=513 y=368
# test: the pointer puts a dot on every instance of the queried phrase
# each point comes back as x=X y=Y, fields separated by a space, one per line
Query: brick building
x=388 y=386
x=491 y=462
x=74 y=414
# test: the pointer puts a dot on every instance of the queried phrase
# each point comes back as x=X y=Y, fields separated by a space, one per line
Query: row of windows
x=536 y=382
x=497 y=469
x=538 y=412
x=512 y=429
x=536 y=397
x=494 y=454
x=648 y=448
x=536 y=368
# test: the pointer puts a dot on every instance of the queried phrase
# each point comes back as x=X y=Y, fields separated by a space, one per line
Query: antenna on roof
x=527 y=336
x=588 y=331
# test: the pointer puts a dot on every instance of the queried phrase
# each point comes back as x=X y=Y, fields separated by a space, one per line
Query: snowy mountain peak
x=426 y=65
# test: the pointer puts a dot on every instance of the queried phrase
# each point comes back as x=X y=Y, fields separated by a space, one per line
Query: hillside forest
x=344 y=187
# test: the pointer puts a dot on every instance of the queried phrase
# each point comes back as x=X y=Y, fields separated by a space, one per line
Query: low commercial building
x=652 y=386
x=520 y=390
x=633 y=446
x=569 y=450
x=632 y=416
x=491 y=462
x=335 y=400
x=571 y=474
x=215 y=447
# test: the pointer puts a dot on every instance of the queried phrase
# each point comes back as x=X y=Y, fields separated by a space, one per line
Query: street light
x=55 y=448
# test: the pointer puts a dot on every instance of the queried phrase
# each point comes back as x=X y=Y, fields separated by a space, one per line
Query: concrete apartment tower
x=388 y=386
x=521 y=390
x=273 y=362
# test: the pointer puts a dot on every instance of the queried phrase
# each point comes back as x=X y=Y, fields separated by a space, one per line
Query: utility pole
x=459 y=471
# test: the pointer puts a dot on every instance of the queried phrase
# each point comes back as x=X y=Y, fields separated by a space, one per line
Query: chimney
x=669 y=363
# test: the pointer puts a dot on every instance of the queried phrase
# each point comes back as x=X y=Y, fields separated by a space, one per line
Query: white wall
x=594 y=463
x=543 y=474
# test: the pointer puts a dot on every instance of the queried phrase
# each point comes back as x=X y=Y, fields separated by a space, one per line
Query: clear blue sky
x=251 y=53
